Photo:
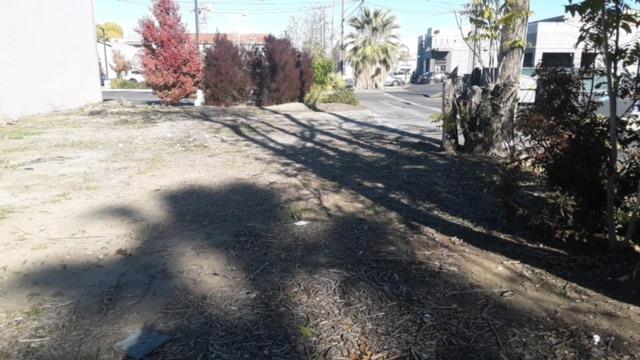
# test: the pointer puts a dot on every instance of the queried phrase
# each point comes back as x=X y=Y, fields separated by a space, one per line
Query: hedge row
x=275 y=74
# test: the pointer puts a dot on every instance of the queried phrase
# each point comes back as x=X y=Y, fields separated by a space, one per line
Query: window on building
x=528 y=60
x=587 y=60
x=440 y=66
x=564 y=60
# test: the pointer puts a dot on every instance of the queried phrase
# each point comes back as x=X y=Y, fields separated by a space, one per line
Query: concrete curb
x=126 y=90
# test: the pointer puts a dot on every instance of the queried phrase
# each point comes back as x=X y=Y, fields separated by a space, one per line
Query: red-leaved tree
x=227 y=73
x=170 y=60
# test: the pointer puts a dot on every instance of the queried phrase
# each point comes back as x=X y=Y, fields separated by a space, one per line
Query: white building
x=129 y=48
x=442 y=50
x=48 y=59
x=552 y=43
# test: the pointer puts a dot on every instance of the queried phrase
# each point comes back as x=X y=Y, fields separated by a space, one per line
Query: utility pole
x=333 y=35
x=197 y=12
x=324 y=45
x=106 y=61
x=342 y=37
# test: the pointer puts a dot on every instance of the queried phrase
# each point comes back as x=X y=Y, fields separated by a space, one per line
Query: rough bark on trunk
x=370 y=78
x=470 y=123
x=510 y=59
x=485 y=106
x=449 y=116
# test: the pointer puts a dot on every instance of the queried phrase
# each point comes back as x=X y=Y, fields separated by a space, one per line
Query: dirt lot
x=280 y=234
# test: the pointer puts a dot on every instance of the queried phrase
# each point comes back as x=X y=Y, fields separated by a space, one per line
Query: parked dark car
x=414 y=77
x=424 y=78
x=430 y=78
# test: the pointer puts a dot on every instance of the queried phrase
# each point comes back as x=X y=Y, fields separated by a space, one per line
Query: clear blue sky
x=270 y=16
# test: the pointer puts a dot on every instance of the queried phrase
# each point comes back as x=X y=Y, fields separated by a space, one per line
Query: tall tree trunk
x=510 y=56
x=449 y=116
x=611 y=70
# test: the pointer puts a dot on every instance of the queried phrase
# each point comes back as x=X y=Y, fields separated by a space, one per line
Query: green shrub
x=342 y=96
x=336 y=82
x=334 y=90
x=323 y=70
x=567 y=144
x=315 y=95
x=126 y=84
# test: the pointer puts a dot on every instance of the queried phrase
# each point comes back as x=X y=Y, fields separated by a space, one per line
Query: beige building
x=48 y=60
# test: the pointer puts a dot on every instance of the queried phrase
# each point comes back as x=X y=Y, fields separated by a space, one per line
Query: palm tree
x=373 y=46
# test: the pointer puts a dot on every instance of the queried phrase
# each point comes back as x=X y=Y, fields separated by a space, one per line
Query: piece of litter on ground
x=596 y=339
x=142 y=342
x=301 y=223
x=507 y=293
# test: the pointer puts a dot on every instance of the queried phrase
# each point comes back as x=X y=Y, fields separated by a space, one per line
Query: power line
x=245 y=4
x=422 y=12
x=263 y=9
x=359 y=6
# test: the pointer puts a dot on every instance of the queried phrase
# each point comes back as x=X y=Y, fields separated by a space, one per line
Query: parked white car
x=393 y=81
x=135 y=76
x=633 y=117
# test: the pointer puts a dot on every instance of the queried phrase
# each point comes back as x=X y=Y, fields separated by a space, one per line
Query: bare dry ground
x=279 y=234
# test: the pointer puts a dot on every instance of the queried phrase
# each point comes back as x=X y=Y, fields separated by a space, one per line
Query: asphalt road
x=408 y=108
x=420 y=94
x=417 y=94
x=136 y=97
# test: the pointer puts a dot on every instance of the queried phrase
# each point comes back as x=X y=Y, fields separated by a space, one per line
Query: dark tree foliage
x=307 y=77
x=278 y=75
x=567 y=142
x=227 y=74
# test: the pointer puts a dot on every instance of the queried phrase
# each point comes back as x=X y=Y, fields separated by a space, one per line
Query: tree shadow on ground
x=406 y=173
x=229 y=276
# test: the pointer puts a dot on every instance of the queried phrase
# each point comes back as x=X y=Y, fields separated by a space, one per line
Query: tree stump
x=449 y=116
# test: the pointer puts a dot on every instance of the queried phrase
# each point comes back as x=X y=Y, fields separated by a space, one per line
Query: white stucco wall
x=48 y=58
x=558 y=37
x=460 y=55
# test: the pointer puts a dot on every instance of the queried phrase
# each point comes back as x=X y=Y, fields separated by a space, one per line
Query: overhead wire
x=261 y=7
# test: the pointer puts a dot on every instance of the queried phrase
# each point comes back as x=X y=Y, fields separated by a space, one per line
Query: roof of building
x=561 y=18
x=254 y=38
